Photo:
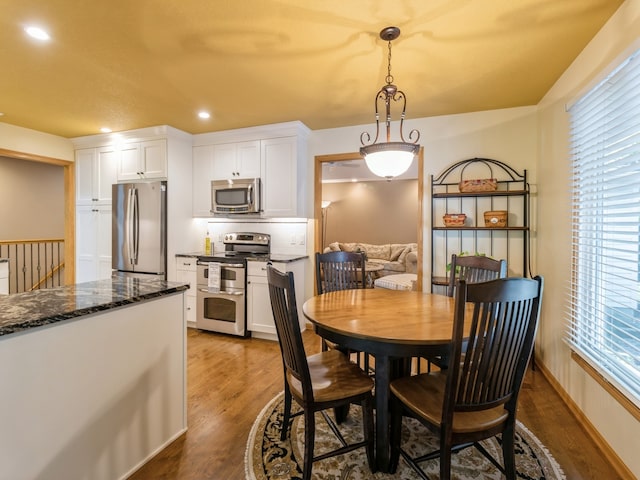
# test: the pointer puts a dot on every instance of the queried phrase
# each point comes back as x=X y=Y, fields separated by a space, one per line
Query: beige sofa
x=394 y=257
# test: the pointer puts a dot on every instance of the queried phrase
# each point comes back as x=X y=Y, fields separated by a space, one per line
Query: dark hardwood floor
x=231 y=379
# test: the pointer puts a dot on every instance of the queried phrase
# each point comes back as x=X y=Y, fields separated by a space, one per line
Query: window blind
x=604 y=304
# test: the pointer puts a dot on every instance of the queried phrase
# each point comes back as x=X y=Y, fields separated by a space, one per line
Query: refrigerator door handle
x=136 y=226
x=129 y=224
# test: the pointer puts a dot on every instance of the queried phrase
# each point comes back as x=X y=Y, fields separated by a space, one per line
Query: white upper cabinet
x=279 y=177
x=277 y=154
x=202 y=176
x=143 y=160
x=95 y=173
x=236 y=160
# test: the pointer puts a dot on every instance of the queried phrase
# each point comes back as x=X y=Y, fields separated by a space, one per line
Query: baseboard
x=612 y=457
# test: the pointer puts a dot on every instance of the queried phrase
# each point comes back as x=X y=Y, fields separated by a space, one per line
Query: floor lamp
x=325 y=210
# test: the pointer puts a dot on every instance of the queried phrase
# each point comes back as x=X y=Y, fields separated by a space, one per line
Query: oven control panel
x=247 y=238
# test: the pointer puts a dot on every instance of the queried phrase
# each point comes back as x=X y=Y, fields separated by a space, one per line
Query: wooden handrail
x=34 y=264
x=22 y=242
x=47 y=276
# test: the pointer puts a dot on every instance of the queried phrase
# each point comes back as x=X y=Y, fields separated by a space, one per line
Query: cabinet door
x=4 y=278
x=236 y=160
x=186 y=272
x=279 y=177
x=86 y=236
x=103 y=244
x=248 y=160
x=259 y=314
x=85 y=163
x=96 y=171
x=129 y=162
x=153 y=159
x=224 y=161
x=93 y=243
x=106 y=173
x=202 y=176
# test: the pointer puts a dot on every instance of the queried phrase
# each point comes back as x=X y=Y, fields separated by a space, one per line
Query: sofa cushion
x=382 y=252
x=394 y=267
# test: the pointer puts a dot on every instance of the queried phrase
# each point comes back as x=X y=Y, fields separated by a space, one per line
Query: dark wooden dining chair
x=476 y=397
x=341 y=271
x=474 y=269
x=319 y=382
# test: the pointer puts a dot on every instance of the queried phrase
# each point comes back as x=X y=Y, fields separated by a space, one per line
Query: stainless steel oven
x=222 y=308
x=221 y=294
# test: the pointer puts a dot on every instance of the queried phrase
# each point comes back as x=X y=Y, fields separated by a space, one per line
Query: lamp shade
x=389 y=159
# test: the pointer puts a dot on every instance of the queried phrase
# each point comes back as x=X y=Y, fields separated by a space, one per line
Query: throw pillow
x=396 y=250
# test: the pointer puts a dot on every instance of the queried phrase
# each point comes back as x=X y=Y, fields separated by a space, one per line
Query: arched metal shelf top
x=513 y=174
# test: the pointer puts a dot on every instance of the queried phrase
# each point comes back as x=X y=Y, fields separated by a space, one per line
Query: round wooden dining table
x=391 y=325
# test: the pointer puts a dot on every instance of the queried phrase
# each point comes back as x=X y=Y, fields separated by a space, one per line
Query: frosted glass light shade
x=389 y=159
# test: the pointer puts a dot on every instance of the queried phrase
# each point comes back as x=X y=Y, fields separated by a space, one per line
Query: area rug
x=268 y=458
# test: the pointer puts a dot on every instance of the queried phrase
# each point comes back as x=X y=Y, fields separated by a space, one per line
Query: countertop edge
x=57 y=310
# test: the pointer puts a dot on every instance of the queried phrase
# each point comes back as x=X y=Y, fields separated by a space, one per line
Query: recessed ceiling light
x=105 y=130
x=37 y=32
x=204 y=115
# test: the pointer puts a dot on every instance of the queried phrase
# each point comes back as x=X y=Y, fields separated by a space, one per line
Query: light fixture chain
x=389 y=76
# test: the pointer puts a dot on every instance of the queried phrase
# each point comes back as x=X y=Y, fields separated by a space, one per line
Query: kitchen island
x=93 y=378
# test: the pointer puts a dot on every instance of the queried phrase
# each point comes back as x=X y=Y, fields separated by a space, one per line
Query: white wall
x=617 y=39
x=24 y=140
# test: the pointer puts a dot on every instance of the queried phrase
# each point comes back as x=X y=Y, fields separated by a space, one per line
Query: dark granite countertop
x=273 y=257
x=22 y=311
x=4 y=260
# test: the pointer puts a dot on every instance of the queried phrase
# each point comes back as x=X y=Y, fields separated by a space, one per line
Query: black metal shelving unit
x=513 y=195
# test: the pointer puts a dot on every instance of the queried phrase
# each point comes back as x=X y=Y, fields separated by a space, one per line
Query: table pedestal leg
x=382 y=377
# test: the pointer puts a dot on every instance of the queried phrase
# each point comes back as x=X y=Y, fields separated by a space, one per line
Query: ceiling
x=129 y=64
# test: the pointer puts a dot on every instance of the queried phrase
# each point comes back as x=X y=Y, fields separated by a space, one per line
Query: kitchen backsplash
x=287 y=237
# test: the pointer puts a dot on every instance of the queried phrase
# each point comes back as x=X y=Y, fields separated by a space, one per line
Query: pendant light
x=389 y=159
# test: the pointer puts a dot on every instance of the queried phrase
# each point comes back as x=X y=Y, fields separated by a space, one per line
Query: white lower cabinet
x=4 y=278
x=186 y=271
x=93 y=242
x=259 y=315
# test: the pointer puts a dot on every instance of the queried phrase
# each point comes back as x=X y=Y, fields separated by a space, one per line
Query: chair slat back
x=474 y=269
x=500 y=341
x=339 y=271
x=285 y=315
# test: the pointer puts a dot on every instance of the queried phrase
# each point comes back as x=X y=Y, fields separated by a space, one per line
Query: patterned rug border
x=249 y=458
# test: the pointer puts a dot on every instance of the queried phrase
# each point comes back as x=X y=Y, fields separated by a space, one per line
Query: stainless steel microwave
x=235 y=196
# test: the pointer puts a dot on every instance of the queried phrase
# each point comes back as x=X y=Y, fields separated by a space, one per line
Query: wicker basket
x=454 y=219
x=478 y=184
x=495 y=218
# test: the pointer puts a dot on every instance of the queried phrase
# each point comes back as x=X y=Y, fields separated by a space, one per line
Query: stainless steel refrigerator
x=139 y=229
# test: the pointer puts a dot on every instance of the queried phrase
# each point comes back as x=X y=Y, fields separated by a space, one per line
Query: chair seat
x=423 y=394
x=333 y=377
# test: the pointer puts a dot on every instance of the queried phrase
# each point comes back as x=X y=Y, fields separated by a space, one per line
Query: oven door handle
x=206 y=290
x=223 y=265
